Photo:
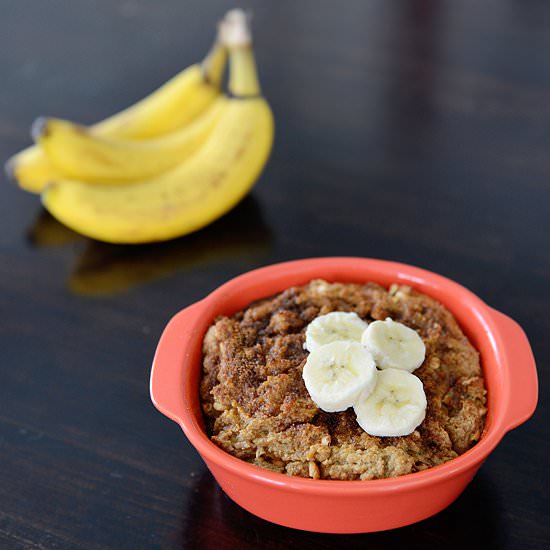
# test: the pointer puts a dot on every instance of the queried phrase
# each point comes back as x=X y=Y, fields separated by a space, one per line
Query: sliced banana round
x=396 y=406
x=394 y=345
x=333 y=327
x=336 y=373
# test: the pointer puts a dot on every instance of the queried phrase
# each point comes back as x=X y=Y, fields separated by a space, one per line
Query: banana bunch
x=166 y=166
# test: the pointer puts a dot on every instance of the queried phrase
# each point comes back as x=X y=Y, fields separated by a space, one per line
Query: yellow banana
x=31 y=169
x=78 y=153
x=174 y=104
x=178 y=102
x=194 y=193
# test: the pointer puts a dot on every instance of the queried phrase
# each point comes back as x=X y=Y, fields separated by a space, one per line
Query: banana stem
x=234 y=33
x=243 y=78
x=214 y=63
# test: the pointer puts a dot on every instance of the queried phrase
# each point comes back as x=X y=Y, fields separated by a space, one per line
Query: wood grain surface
x=414 y=131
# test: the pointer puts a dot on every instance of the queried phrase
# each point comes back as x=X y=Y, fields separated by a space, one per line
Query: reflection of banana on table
x=46 y=231
x=119 y=183
x=104 y=269
x=101 y=271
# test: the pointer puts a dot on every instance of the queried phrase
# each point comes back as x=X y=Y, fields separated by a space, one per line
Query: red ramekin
x=332 y=506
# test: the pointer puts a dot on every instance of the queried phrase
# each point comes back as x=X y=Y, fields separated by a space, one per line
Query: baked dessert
x=257 y=408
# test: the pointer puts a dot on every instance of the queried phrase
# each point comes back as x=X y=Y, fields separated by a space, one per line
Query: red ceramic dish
x=345 y=506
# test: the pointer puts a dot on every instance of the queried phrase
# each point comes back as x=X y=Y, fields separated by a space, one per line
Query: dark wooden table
x=415 y=131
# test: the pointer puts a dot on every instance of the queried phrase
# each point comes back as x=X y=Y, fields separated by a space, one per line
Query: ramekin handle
x=523 y=382
x=173 y=351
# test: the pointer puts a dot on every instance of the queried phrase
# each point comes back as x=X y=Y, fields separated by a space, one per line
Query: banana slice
x=396 y=407
x=336 y=373
x=394 y=346
x=333 y=327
